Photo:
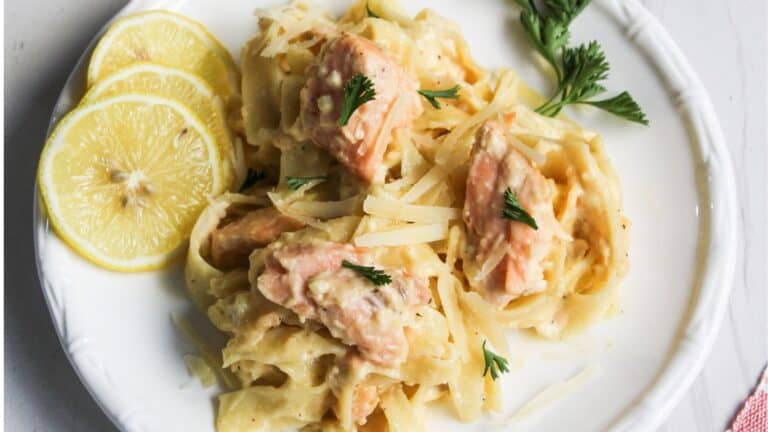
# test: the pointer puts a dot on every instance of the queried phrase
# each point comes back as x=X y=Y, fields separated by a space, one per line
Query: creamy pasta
x=304 y=355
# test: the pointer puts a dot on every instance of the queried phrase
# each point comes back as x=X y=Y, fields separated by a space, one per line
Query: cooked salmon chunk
x=309 y=279
x=232 y=243
x=366 y=399
x=360 y=144
x=518 y=248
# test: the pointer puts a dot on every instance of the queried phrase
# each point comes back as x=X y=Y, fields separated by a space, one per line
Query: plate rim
x=716 y=260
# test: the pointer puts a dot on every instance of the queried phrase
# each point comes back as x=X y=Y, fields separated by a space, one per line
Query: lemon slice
x=124 y=179
x=167 y=38
x=176 y=84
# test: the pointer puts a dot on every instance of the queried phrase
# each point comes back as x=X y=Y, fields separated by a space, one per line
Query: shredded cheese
x=550 y=395
x=385 y=131
x=434 y=176
x=394 y=209
x=456 y=148
x=198 y=368
x=535 y=156
x=407 y=235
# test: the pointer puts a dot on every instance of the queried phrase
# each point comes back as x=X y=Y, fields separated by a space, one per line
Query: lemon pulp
x=167 y=38
x=176 y=84
x=124 y=179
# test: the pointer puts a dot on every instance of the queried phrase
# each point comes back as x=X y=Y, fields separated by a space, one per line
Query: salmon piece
x=232 y=243
x=494 y=167
x=308 y=278
x=361 y=143
x=366 y=398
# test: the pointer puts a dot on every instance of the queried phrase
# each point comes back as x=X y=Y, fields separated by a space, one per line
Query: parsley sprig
x=357 y=91
x=251 y=178
x=432 y=95
x=376 y=276
x=297 y=182
x=494 y=363
x=580 y=70
x=513 y=210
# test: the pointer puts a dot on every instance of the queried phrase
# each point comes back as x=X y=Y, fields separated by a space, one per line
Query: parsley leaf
x=432 y=95
x=357 y=91
x=296 y=182
x=514 y=211
x=583 y=67
x=580 y=70
x=621 y=105
x=378 y=277
x=494 y=363
x=251 y=178
x=566 y=10
x=547 y=34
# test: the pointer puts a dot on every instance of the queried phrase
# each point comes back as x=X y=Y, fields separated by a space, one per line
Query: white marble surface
x=725 y=40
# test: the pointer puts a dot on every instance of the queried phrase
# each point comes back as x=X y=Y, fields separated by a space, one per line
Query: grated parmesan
x=434 y=176
x=549 y=395
x=394 y=209
x=198 y=368
x=407 y=235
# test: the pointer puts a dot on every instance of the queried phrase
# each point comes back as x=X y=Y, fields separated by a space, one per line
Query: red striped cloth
x=753 y=416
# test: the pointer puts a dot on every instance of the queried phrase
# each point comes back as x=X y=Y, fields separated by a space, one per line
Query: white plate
x=679 y=193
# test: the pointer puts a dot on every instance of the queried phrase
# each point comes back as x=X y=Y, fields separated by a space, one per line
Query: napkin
x=753 y=416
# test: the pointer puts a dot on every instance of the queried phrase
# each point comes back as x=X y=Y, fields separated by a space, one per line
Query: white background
x=724 y=40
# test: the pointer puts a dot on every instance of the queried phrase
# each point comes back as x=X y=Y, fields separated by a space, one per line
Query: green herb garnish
x=378 y=277
x=623 y=106
x=514 y=211
x=369 y=12
x=580 y=70
x=251 y=178
x=494 y=363
x=357 y=91
x=296 y=182
x=432 y=95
